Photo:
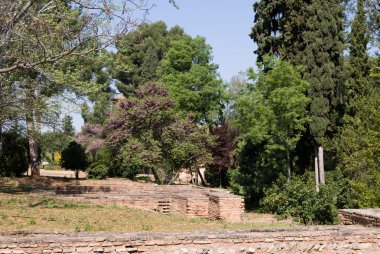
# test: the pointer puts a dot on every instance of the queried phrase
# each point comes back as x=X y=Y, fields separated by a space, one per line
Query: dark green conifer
x=358 y=66
x=268 y=29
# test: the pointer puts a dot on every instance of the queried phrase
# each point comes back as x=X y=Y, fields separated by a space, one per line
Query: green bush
x=74 y=157
x=98 y=171
x=13 y=155
x=299 y=200
x=364 y=192
x=256 y=172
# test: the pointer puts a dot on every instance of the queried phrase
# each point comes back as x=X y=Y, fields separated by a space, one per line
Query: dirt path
x=61 y=173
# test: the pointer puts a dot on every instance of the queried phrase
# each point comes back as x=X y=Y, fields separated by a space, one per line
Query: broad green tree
x=192 y=79
x=276 y=111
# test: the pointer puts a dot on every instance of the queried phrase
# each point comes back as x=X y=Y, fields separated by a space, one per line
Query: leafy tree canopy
x=191 y=77
x=144 y=132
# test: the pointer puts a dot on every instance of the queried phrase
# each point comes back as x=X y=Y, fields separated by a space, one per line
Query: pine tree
x=149 y=66
x=268 y=29
x=68 y=128
x=139 y=54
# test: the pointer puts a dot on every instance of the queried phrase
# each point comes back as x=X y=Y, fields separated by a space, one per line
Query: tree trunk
x=156 y=177
x=200 y=175
x=191 y=176
x=33 y=147
x=38 y=122
x=316 y=168
x=321 y=165
x=220 y=176
x=289 y=165
x=1 y=139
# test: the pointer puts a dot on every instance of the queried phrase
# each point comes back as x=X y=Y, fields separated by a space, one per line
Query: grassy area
x=47 y=213
x=21 y=185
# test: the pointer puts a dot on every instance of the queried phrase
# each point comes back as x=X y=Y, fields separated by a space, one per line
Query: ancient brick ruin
x=190 y=200
x=365 y=217
x=322 y=240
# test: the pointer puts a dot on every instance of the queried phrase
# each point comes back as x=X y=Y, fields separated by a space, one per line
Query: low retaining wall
x=193 y=201
x=365 y=217
x=325 y=240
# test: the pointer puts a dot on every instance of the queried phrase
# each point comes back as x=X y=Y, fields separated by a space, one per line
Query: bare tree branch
x=34 y=33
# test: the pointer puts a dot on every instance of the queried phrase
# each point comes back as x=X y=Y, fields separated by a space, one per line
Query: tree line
x=297 y=136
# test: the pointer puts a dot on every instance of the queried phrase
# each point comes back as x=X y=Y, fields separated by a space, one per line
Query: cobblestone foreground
x=340 y=239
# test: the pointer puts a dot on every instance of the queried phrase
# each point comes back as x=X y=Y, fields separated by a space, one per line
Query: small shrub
x=13 y=155
x=89 y=227
x=31 y=222
x=74 y=157
x=57 y=158
x=147 y=227
x=98 y=171
x=363 y=192
x=299 y=200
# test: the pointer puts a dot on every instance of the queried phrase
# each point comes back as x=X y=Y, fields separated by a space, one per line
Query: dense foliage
x=74 y=157
x=299 y=199
x=187 y=70
x=272 y=117
x=13 y=154
x=145 y=132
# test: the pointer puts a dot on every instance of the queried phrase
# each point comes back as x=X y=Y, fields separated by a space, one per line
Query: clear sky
x=226 y=25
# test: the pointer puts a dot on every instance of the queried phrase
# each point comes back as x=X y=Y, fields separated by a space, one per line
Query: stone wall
x=322 y=240
x=365 y=217
x=193 y=201
x=179 y=204
x=228 y=208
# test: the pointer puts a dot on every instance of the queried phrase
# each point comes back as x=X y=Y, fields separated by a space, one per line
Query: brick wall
x=365 y=217
x=193 y=201
x=322 y=240
x=179 y=204
x=228 y=208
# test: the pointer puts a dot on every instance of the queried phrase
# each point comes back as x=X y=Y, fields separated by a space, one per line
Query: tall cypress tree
x=358 y=66
x=323 y=63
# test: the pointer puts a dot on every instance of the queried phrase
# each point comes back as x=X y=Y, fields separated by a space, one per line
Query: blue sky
x=225 y=24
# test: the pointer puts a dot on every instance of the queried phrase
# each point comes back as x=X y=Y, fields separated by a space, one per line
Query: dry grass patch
x=20 y=212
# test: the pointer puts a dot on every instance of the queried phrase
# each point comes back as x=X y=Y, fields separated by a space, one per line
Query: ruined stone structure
x=365 y=217
x=322 y=240
x=193 y=201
